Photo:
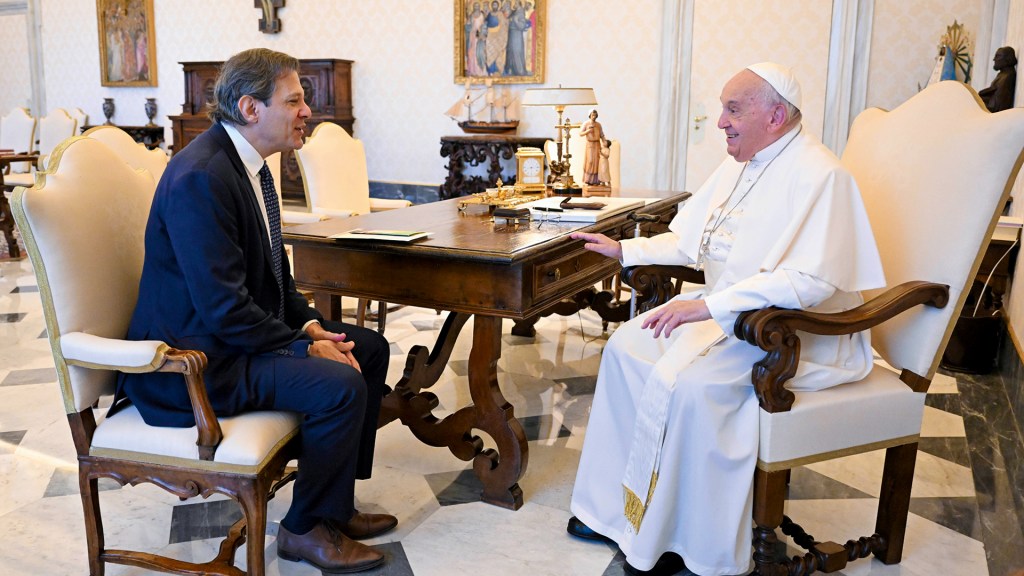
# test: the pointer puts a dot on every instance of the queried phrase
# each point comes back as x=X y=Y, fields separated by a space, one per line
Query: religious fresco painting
x=127 y=42
x=499 y=40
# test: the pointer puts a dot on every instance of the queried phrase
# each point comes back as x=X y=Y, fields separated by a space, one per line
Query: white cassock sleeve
x=660 y=249
x=782 y=288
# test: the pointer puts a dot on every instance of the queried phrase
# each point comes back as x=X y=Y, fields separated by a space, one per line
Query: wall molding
x=848 y=56
x=991 y=35
x=34 y=33
x=673 y=95
x=35 y=56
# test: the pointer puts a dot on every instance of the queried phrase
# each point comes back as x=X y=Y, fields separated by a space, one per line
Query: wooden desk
x=6 y=217
x=470 y=266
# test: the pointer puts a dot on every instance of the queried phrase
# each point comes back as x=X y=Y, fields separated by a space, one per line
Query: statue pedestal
x=597 y=190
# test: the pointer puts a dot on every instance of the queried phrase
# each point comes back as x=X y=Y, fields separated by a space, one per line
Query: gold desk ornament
x=501 y=196
x=530 y=170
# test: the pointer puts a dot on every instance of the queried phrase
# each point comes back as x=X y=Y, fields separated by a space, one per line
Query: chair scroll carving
x=774 y=331
x=657 y=284
x=191 y=364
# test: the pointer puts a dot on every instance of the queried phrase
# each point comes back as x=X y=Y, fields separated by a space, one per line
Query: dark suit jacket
x=208 y=283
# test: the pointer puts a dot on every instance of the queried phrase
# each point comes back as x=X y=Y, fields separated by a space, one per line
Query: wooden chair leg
x=254 y=508
x=894 y=500
x=769 y=504
x=93 y=522
x=382 y=315
x=361 y=305
x=335 y=308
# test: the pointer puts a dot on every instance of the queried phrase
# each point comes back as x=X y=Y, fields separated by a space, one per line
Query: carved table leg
x=328 y=304
x=412 y=406
x=498 y=469
x=501 y=469
x=525 y=327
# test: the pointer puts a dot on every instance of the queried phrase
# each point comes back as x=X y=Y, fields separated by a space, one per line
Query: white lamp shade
x=559 y=97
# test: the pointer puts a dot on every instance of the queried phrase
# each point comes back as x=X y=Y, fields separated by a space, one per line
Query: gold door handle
x=697 y=121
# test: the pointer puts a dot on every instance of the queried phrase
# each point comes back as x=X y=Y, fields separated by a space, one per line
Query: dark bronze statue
x=999 y=96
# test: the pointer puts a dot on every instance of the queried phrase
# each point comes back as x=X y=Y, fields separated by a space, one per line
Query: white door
x=729 y=35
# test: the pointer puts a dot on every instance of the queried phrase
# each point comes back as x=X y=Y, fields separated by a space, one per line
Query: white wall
x=15 y=82
x=904 y=42
x=402 y=76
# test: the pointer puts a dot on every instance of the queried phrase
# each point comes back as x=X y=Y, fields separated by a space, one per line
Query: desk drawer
x=553 y=275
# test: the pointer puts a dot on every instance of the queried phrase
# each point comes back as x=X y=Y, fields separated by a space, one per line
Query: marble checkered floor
x=964 y=522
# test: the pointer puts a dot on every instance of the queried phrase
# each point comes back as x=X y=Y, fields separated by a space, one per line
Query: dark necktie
x=274 y=222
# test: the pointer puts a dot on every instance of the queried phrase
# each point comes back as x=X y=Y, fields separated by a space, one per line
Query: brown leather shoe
x=363 y=526
x=327 y=549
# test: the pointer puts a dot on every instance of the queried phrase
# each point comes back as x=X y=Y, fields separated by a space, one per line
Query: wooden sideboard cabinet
x=328 y=87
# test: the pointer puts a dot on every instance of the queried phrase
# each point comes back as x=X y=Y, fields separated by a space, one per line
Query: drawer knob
x=556 y=274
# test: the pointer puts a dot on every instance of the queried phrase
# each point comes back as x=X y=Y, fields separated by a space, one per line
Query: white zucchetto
x=782 y=79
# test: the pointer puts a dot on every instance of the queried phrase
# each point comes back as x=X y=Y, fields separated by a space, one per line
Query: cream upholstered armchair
x=17 y=137
x=940 y=158
x=288 y=217
x=54 y=128
x=83 y=225
x=134 y=153
x=334 y=176
x=578 y=149
x=17 y=134
x=81 y=118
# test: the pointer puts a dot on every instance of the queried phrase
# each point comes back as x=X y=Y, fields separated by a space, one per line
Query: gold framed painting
x=499 y=40
x=127 y=42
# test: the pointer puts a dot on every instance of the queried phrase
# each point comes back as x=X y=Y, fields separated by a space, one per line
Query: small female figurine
x=594 y=134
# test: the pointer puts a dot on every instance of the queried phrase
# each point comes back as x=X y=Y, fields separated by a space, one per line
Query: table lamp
x=560 y=98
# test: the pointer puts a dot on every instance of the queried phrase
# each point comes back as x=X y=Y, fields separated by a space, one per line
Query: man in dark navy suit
x=216 y=278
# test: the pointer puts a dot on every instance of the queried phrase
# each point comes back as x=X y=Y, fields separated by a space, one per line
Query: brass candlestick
x=561 y=178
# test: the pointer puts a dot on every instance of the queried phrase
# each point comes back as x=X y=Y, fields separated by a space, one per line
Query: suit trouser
x=340 y=408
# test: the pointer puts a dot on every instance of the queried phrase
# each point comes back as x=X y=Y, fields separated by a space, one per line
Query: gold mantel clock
x=530 y=170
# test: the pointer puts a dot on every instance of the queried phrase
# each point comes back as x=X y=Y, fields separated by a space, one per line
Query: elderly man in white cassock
x=668 y=461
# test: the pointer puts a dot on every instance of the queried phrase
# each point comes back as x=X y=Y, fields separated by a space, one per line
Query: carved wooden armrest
x=192 y=364
x=133 y=356
x=774 y=331
x=7 y=159
x=656 y=284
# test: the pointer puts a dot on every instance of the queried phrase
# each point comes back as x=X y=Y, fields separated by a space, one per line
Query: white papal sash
x=641 y=476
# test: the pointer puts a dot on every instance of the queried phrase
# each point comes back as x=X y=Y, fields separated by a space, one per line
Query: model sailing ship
x=495 y=115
